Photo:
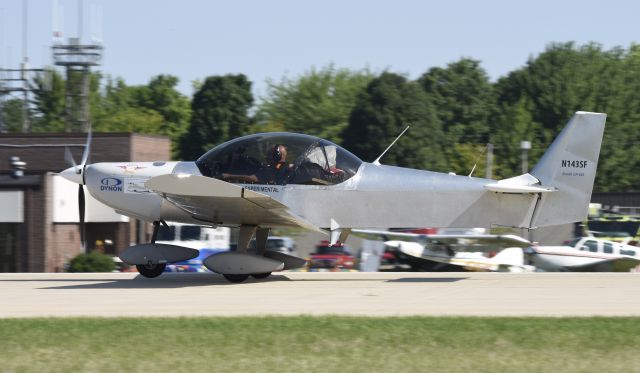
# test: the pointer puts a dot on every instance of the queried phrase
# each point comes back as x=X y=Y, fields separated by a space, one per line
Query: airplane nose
x=72 y=175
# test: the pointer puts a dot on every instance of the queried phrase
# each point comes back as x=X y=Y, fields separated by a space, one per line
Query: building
x=39 y=229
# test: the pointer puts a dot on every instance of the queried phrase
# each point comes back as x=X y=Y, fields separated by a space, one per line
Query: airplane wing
x=468 y=242
x=622 y=264
x=219 y=202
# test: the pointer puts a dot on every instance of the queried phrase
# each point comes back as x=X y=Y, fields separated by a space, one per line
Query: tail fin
x=569 y=166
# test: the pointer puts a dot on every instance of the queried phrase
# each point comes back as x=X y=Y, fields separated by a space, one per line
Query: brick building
x=39 y=229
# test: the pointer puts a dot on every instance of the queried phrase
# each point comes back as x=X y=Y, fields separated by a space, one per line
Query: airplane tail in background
x=511 y=256
x=569 y=167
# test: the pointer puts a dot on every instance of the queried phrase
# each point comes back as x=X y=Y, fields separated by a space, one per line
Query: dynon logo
x=111 y=184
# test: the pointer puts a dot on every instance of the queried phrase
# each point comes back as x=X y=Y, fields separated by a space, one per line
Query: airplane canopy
x=279 y=158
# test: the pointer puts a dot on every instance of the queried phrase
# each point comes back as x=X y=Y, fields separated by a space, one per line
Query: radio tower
x=77 y=59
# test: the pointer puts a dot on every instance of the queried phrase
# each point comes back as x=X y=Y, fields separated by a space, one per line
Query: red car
x=332 y=258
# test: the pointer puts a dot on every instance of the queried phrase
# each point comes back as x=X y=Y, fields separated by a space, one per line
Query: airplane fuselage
x=377 y=196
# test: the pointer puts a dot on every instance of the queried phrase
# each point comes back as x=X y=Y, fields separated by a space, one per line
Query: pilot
x=275 y=171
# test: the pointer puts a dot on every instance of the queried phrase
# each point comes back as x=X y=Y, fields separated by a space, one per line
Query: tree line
x=454 y=111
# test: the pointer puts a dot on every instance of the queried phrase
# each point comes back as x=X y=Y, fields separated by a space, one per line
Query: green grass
x=337 y=344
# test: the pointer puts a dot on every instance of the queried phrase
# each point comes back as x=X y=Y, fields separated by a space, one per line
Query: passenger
x=275 y=171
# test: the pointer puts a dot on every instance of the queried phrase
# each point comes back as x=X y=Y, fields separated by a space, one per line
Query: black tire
x=151 y=270
x=260 y=276
x=236 y=278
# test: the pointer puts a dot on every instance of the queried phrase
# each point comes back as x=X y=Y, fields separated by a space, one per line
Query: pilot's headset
x=276 y=154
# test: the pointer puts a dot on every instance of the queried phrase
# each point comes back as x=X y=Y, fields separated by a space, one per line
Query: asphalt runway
x=300 y=293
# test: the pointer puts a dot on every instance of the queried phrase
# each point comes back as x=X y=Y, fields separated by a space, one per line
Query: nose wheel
x=151 y=270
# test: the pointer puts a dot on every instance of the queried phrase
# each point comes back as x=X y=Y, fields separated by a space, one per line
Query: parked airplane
x=312 y=183
x=466 y=250
x=585 y=254
x=511 y=259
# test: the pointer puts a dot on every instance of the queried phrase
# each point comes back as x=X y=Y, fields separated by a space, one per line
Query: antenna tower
x=77 y=58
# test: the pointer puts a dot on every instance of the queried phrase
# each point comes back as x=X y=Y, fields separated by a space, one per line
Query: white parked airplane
x=586 y=254
x=467 y=250
x=507 y=260
x=262 y=181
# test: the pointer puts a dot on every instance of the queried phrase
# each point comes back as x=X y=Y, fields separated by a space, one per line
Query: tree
x=49 y=102
x=161 y=96
x=388 y=104
x=566 y=78
x=512 y=125
x=11 y=115
x=119 y=111
x=219 y=113
x=316 y=103
x=463 y=99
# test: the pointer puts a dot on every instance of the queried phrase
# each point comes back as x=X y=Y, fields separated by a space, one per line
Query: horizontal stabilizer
x=520 y=184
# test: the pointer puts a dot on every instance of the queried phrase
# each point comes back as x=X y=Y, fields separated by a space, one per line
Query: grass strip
x=296 y=344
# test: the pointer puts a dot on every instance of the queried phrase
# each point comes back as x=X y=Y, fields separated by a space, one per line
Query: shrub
x=92 y=262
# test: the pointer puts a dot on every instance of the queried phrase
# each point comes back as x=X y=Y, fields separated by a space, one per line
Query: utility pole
x=525 y=146
x=488 y=172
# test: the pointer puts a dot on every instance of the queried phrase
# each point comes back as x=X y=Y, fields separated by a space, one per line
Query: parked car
x=285 y=245
x=332 y=258
x=193 y=265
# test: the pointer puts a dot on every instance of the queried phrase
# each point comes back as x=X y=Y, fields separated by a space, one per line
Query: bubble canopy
x=279 y=158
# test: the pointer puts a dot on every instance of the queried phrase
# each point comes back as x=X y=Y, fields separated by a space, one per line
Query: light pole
x=525 y=146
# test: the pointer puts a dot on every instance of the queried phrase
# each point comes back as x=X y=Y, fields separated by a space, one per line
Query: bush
x=92 y=262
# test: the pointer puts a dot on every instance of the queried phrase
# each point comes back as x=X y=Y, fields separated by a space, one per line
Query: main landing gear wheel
x=260 y=276
x=151 y=270
x=236 y=278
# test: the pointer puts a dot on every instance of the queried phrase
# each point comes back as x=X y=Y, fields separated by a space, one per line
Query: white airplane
x=262 y=181
x=467 y=251
x=585 y=254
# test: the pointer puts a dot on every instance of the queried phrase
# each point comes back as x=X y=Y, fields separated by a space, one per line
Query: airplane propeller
x=79 y=177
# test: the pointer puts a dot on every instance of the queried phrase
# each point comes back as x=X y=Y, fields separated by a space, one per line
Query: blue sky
x=270 y=39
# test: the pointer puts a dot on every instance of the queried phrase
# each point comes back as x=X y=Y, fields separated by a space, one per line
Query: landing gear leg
x=262 y=234
x=151 y=270
x=154 y=235
x=246 y=234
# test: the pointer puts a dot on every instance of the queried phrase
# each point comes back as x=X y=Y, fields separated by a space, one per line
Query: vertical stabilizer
x=569 y=166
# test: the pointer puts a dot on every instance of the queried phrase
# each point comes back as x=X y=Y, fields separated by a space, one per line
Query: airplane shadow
x=183 y=280
x=435 y=279
x=165 y=281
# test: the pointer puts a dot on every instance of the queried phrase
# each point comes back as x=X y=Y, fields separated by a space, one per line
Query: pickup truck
x=332 y=258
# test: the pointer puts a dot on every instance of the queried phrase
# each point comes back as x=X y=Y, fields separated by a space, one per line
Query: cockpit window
x=592 y=245
x=279 y=158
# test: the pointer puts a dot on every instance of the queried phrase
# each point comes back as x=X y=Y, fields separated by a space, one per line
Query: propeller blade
x=81 y=212
x=87 y=147
x=68 y=157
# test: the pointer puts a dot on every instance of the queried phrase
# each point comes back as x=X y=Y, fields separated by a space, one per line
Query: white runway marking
x=298 y=293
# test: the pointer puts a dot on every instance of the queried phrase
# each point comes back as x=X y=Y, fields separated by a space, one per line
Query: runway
x=300 y=293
